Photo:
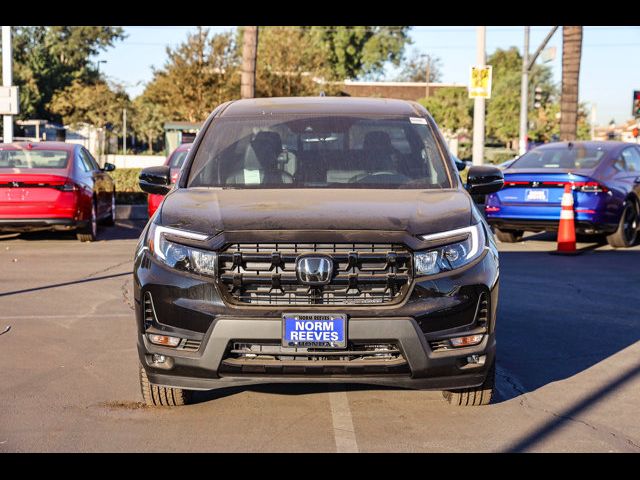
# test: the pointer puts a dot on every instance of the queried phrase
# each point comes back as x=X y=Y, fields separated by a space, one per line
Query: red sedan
x=54 y=186
x=174 y=161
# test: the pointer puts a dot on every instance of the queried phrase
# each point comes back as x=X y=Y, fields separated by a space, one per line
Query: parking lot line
x=343 y=430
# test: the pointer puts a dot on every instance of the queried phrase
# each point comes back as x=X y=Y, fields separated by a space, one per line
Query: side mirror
x=155 y=179
x=108 y=167
x=482 y=180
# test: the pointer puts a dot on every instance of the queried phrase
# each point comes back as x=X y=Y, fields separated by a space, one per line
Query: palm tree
x=571 y=52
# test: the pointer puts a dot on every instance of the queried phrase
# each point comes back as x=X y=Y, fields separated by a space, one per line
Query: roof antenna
x=322 y=93
x=570 y=145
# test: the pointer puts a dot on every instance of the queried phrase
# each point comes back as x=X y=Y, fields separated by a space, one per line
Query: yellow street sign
x=480 y=85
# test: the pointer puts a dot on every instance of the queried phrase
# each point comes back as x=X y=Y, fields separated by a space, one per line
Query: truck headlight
x=179 y=256
x=454 y=255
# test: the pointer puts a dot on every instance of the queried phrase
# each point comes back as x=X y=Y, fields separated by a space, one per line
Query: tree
x=289 y=63
x=49 y=59
x=199 y=74
x=98 y=104
x=571 y=53
x=451 y=108
x=503 y=109
x=360 y=51
x=147 y=120
x=416 y=67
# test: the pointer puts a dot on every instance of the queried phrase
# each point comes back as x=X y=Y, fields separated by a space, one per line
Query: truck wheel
x=509 y=236
x=474 y=396
x=627 y=232
x=156 y=396
x=90 y=232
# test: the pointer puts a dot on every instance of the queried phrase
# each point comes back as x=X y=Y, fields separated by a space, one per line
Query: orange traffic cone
x=567 y=229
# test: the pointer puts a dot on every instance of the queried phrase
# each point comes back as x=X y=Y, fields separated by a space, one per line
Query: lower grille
x=273 y=359
x=189 y=345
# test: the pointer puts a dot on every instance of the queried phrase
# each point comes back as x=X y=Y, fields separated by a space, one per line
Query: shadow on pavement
x=558 y=316
x=569 y=414
x=122 y=230
x=285 y=389
x=63 y=284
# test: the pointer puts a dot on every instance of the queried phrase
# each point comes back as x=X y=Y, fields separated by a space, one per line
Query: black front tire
x=474 y=396
x=158 y=396
x=627 y=233
x=509 y=236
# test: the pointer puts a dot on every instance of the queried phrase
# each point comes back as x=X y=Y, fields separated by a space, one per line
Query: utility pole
x=249 y=57
x=7 y=80
x=124 y=131
x=479 y=103
x=527 y=65
x=524 y=93
x=428 y=74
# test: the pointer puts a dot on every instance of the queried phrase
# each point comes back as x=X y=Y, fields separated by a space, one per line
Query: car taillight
x=67 y=187
x=489 y=208
x=590 y=187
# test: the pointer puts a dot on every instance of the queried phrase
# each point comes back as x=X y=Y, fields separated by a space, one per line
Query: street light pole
x=479 y=103
x=524 y=91
x=7 y=80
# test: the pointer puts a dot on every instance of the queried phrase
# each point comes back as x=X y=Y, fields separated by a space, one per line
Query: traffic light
x=540 y=97
x=636 y=104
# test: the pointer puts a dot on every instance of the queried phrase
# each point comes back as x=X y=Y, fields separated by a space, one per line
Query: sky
x=609 y=73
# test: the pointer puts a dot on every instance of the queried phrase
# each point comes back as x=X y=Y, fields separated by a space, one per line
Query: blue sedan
x=605 y=181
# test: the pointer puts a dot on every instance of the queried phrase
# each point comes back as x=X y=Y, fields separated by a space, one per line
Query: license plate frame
x=536 y=195
x=338 y=323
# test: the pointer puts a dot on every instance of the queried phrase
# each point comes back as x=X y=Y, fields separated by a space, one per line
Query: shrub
x=127 y=189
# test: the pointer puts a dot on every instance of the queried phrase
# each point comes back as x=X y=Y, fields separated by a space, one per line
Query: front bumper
x=193 y=308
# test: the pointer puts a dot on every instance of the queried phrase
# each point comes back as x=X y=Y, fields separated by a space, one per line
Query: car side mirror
x=108 y=167
x=460 y=165
x=155 y=179
x=484 y=179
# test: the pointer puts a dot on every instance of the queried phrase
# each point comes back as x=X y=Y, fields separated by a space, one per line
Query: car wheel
x=90 y=232
x=111 y=219
x=509 y=236
x=474 y=396
x=627 y=232
x=158 y=396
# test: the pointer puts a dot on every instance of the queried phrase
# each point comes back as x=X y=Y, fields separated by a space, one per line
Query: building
x=400 y=90
x=177 y=133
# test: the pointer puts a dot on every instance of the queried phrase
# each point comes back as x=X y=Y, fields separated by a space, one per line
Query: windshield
x=306 y=151
x=177 y=159
x=578 y=156
x=33 y=158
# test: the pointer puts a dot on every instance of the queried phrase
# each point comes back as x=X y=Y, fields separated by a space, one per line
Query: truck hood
x=210 y=210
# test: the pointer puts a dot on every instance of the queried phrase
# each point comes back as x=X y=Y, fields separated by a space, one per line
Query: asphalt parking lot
x=568 y=366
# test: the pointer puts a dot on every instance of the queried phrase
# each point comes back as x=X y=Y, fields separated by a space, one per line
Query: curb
x=131 y=212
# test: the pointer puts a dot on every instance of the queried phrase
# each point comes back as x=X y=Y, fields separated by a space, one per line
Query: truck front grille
x=363 y=274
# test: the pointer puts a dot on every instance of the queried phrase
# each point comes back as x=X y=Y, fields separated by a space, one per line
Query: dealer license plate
x=323 y=330
x=537 y=195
